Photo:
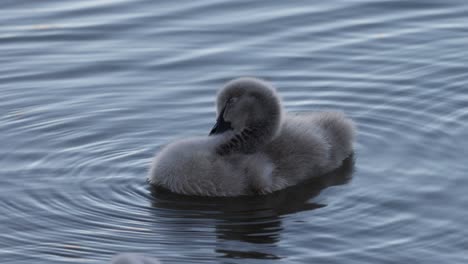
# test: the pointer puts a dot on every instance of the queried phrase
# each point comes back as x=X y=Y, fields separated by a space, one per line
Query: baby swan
x=254 y=146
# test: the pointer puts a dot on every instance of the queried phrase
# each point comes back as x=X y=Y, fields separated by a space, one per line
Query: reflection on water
x=249 y=219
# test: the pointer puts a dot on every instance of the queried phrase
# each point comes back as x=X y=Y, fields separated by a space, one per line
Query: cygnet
x=254 y=147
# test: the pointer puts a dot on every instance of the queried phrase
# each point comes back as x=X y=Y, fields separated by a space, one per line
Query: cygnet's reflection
x=252 y=221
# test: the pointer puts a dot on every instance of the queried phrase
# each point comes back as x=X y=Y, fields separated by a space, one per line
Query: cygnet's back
x=310 y=145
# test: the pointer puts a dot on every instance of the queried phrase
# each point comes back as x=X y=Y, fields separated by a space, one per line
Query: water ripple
x=91 y=90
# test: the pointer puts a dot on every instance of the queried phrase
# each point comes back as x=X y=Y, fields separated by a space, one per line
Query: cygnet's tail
x=340 y=133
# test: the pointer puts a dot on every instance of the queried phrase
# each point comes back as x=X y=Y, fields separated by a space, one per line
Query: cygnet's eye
x=232 y=100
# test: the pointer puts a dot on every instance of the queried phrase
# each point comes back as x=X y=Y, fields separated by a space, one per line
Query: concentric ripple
x=91 y=90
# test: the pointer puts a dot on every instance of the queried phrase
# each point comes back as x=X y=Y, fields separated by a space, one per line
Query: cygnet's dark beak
x=221 y=124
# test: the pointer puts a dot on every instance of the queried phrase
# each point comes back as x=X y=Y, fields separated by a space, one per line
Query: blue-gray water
x=90 y=90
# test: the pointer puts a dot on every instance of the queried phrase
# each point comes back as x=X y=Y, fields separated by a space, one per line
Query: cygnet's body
x=254 y=147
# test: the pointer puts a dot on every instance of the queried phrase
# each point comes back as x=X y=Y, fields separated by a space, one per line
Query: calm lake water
x=91 y=90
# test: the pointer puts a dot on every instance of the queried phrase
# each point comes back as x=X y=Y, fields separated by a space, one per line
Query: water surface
x=90 y=90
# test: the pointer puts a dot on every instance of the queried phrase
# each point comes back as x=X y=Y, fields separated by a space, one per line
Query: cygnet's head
x=250 y=108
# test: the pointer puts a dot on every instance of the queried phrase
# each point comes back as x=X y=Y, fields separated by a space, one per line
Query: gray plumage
x=255 y=147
